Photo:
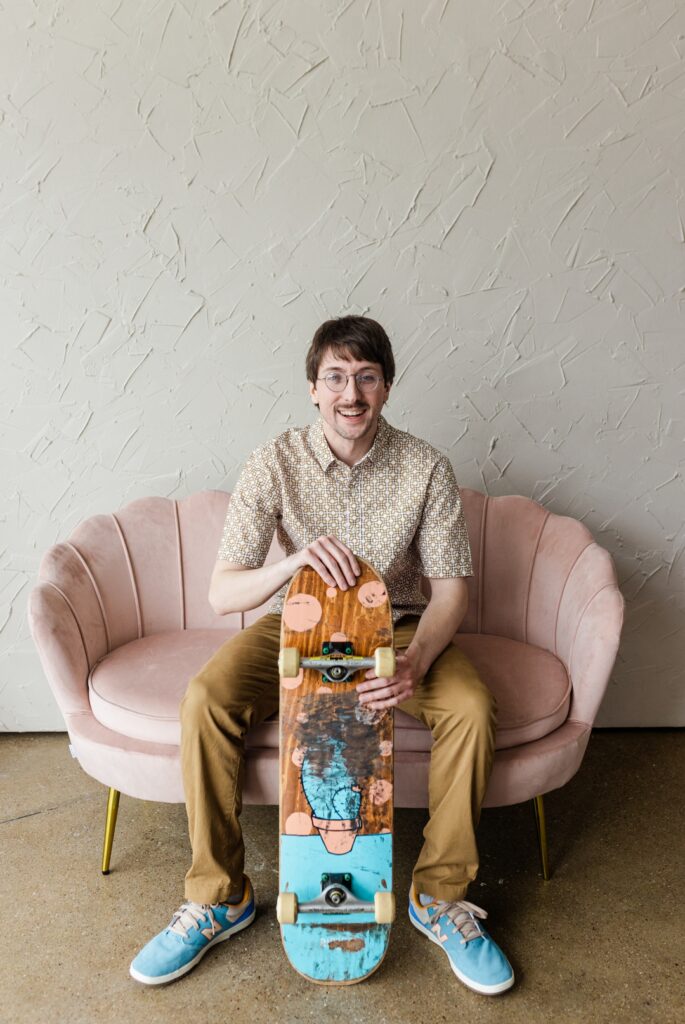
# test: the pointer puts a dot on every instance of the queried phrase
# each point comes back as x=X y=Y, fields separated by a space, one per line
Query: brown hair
x=356 y=336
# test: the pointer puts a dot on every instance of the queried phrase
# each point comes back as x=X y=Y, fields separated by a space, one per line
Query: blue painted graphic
x=332 y=794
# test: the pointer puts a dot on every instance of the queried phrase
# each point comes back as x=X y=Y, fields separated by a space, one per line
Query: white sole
x=484 y=990
x=165 y=978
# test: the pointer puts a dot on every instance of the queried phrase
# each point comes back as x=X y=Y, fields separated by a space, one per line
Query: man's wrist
x=417 y=659
x=291 y=563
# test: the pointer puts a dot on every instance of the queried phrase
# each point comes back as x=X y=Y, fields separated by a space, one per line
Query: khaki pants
x=238 y=688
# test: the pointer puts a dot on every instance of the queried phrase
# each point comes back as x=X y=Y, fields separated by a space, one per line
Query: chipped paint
x=347 y=945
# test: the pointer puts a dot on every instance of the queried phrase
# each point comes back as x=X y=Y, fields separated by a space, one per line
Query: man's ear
x=312 y=395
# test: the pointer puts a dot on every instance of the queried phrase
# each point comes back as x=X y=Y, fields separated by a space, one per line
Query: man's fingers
x=378 y=693
x=375 y=682
x=349 y=558
x=336 y=577
x=319 y=567
x=333 y=561
x=344 y=557
x=382 y=705
x=384 y=692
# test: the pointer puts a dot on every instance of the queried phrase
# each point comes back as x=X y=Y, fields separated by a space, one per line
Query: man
x=348 y=485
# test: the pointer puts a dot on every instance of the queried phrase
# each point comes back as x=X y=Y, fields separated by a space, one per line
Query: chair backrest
x=142 y=570
x=148 y=567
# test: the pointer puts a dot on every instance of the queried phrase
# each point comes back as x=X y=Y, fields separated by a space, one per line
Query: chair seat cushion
x=531 y=686
x=136 y=690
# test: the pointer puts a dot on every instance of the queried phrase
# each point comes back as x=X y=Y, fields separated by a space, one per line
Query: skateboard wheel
x=286 y=907
x=289 y=662
x=384 y=906
x=385 y=662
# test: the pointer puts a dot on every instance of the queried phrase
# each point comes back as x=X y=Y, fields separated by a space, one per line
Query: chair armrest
x=588 y=629
x=61 y=648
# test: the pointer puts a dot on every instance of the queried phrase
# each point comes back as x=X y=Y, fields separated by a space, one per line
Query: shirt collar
x=324 y=455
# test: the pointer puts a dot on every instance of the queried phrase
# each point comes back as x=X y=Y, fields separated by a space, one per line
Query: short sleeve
x=252 y=515
x=441 y=539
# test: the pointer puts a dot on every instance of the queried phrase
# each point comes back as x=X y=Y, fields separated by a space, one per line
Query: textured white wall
x=188 y=189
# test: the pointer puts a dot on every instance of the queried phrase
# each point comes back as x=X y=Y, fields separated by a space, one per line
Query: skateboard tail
x=335 y=954
x=338 y=948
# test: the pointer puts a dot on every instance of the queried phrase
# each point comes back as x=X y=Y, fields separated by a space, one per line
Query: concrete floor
x=602 y=941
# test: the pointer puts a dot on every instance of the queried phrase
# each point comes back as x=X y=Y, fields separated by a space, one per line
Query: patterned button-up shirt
x=399 y=508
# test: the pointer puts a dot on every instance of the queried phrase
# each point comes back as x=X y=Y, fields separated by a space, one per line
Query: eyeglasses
x=337 y=381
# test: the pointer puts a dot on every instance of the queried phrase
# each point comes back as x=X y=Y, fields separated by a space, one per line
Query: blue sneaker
x=474 y=957
x=191 y=932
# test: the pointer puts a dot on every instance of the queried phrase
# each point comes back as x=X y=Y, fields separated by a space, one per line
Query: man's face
x=352 y=413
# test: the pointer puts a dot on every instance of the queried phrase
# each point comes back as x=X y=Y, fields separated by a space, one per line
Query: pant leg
x=460 y=711
x=236 y=689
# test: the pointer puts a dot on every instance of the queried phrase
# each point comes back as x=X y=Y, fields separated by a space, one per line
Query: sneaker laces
x=189 y=916
x=463 y=915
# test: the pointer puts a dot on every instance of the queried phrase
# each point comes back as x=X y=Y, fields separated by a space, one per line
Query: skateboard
x=336 y=903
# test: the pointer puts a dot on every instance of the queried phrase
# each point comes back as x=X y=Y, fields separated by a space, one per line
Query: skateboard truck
x=337 y=662
x=329 y=886
x=336 y=897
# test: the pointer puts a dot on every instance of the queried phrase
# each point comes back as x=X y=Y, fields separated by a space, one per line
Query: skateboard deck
x=336 y=902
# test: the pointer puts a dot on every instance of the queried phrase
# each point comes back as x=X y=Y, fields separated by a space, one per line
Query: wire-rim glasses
x=337 y=381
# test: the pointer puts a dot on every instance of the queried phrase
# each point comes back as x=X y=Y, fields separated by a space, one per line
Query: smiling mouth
x=351 y=415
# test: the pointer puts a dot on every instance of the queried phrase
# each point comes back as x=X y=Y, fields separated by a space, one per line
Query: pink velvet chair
x=121 y=621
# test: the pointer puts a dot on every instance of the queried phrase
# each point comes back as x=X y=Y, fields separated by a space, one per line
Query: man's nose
x=352 y=389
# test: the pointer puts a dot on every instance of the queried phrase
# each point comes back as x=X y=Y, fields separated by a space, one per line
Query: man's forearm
x=235 y=588
x=241 y=590
x=436 y=628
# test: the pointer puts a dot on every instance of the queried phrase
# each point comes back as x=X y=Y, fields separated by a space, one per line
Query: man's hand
x=378 y=693
x=333 y=560
x=438 y=624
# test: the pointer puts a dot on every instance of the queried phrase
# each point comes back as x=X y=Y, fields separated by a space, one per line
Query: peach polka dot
x=324 y=689
x=331 y=592
x=339 y=638
x=298 y=756
x=293 y=682
x=298 y=824
x=372 y=594
x=386 y=748
x=302 y=612
x=380 y=791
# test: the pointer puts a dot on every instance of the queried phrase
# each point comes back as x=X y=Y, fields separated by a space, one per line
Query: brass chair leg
x=110 y=825
x=539 y=809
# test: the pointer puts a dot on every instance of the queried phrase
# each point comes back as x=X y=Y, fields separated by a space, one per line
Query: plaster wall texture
x=188 y=189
